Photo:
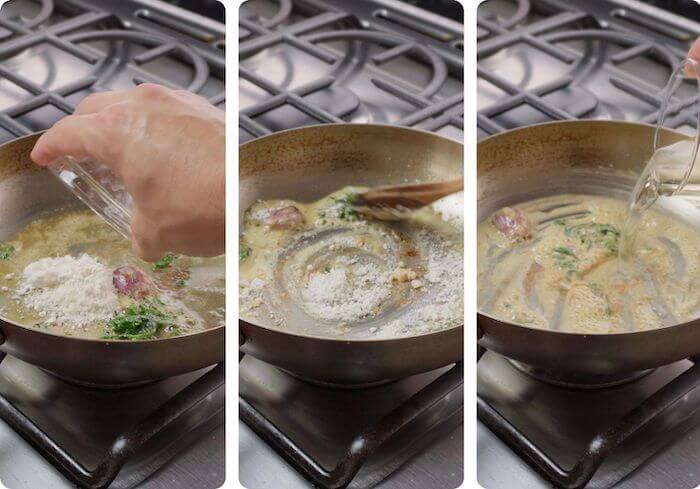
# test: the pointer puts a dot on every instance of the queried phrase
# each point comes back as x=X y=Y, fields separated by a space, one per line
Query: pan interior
x=308 y=164
x=593 y=158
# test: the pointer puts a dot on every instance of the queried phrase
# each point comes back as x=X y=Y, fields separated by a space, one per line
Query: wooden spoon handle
x=411 y=196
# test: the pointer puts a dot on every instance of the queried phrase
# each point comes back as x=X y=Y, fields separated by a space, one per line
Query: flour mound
x=69 y=291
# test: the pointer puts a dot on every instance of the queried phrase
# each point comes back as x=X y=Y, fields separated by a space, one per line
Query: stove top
x=601 y=59
x=545 y=60
x=383 y=61
x=306 y=62
x=53 y=53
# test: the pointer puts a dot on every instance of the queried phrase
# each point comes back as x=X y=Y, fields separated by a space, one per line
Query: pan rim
x=368 y=126
x=500 y=322
x=346 y=124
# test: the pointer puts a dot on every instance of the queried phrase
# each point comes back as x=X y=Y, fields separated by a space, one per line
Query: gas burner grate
x=74 y=28
x=602 y=444
x=364 y=444
x=124 y=446
x=308 y=27
x=586 y=84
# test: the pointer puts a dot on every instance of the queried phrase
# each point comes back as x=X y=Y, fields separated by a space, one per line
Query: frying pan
x=27 y=191
x=308 y=163
x=597 y=157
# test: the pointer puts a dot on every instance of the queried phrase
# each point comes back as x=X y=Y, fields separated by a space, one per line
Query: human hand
x=168 y=148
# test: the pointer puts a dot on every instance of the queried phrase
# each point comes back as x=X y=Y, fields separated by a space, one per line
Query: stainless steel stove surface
x=382 y=61
x=52 y=55
x=544 y=60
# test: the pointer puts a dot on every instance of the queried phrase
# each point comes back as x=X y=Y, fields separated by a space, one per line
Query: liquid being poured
x=666 y=173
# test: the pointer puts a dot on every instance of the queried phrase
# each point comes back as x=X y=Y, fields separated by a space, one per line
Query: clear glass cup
x=96 y=185
x=675 y=158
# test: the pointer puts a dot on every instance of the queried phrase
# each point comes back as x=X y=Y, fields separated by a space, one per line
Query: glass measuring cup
x=95 y=184
x=674 y=162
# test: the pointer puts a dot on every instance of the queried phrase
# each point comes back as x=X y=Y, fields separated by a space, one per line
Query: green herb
x=559 y=222
x=6 y=251
x=140 y=321
x=566 y=259
x=180 y=283
x=164 y=262
x=322 y=214
x=507 y=305
x=598 y=291
x=594 y=234
x=243 y=252
x=564 y=251
x=347 y=209
x=327 y=269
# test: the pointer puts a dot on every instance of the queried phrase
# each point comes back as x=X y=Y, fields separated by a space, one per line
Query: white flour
x=70 y=291
x=346 y=293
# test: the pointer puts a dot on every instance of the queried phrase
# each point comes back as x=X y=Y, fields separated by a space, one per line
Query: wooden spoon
x=394 y=202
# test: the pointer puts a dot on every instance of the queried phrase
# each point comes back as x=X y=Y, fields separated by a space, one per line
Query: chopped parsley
x=594 y=234
x=346 y=209
x=327 y=269
x=140 y=321
x=566 y=259
x=243 y=251
x=6 y=251
x=598 y=291
x=164 y=262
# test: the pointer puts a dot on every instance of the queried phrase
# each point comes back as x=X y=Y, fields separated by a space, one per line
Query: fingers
x=143 y=242
x=72 y=135
x=693 y=54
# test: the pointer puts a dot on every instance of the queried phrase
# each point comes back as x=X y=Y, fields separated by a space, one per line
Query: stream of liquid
x=665 y=174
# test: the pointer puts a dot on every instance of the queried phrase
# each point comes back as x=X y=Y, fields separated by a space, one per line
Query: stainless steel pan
x=309 y=163
x=27 y=191
x=601 y=157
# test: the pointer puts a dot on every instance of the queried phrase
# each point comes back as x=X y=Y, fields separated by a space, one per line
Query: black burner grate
x=602 y=444
x=362 y=446
x=74 y=27
x=309 y=27
x=551 y=27
x=125 y=446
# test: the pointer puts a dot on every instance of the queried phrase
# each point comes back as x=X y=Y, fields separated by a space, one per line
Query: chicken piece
x=133 y=282
x=284 y=218
x=513 y=224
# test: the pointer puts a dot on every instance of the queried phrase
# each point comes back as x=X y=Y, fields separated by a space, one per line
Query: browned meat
x=285 y=218
x=513 y=223
x=133 y=282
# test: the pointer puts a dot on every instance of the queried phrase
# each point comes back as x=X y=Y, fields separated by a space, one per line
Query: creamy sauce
x=565 y=274
x=335 y=272
x=191 y=289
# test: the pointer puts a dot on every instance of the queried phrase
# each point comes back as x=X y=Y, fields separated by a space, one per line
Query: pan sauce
x=191 y=289
x=564 y=274
x=326 y=270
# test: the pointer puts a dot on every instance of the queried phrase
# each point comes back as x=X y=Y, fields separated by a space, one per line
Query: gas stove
x=53 y=53
x=545 y=60
x=306 y=62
